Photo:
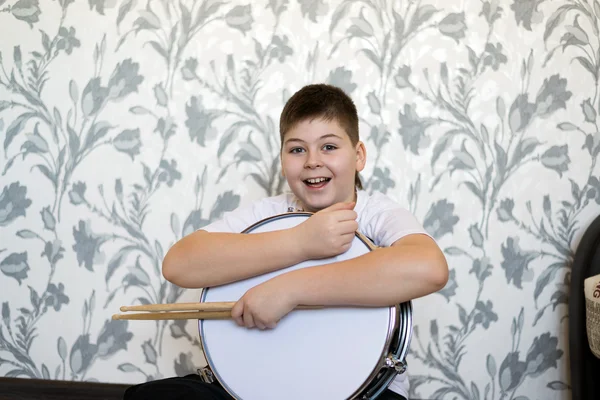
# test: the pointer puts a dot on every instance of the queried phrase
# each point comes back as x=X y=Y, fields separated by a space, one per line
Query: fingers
x=341 y=215
x=345 y=242
x=243 y=317
x=262 y=325
x=347 y=238
x=272 y=325
x=237 y=312
x=347 y=227
x=345 y=215
x=248 y=320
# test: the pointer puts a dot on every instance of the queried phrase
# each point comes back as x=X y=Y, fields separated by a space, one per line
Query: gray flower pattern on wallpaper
x=472 y=149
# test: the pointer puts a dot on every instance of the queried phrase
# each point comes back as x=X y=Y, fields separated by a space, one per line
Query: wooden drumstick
x=211 y=310
x=174 y=315
x=213 y=306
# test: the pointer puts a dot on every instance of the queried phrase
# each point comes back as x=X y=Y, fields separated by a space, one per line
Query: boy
x=321 y=156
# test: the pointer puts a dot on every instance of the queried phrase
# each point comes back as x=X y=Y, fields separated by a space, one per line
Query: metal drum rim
x=395 y=319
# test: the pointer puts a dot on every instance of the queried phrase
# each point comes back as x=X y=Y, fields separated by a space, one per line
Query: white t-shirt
x=380 y=219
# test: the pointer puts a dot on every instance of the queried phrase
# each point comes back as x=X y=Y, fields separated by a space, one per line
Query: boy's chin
x=315 y=206
x=316 y=202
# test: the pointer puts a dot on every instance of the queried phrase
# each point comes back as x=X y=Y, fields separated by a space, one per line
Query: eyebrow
x=329 y=135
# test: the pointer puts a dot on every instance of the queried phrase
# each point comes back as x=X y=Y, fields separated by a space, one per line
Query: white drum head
x=311 y=354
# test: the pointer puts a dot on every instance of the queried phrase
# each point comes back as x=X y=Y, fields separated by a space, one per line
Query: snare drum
x=334 y=353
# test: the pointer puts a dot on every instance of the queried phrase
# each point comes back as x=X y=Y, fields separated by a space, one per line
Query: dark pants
x=191 y=387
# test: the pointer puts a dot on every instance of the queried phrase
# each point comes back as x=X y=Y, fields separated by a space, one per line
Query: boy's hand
x=264 y=305
x=328 y=232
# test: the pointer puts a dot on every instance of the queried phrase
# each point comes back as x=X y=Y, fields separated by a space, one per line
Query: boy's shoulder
x=385 y=220
x=376 y=202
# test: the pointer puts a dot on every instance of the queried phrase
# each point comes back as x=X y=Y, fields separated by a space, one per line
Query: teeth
x=316 y=180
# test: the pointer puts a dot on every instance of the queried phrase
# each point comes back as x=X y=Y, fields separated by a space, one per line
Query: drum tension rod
x=206 y=375
x=392 y=361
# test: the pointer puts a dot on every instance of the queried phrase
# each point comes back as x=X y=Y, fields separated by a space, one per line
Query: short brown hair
x=322 y=101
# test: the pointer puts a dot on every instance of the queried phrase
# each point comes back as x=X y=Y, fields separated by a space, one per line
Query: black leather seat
x=585 y=367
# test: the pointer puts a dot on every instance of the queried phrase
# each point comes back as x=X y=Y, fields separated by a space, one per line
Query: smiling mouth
x=316 y=182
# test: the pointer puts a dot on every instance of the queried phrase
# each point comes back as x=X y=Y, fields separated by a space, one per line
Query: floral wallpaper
x=127 y=124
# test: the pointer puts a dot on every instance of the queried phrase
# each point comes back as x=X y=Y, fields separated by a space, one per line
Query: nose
x=313 y=160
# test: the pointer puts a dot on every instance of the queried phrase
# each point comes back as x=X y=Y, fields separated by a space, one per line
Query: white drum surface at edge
x=311 y=354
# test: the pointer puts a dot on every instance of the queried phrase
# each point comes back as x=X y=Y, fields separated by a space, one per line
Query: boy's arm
x=413 y=267
x=205 y=259
x=407 y=265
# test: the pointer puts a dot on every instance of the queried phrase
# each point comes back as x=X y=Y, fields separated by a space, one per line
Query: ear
x=361 y=156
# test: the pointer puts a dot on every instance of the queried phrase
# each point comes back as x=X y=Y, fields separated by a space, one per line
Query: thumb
x=237 y=312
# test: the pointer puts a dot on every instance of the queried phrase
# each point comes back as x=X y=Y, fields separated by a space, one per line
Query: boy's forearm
x=204 y=259
x=383 y=277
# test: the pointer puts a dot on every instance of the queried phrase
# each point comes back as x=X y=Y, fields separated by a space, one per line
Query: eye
x=295 y=150
x=329 y=147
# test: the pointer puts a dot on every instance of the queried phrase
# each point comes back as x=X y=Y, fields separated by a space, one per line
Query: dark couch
x=585 y=367
x=38 y=389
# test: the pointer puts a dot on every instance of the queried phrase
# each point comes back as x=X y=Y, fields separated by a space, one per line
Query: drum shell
x=397 y=336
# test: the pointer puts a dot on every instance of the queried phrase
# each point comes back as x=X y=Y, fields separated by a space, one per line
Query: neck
x=352 y=198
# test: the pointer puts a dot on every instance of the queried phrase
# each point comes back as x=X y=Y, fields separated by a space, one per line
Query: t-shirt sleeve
x=391 y=222
x=243 y=217
x=234 y=221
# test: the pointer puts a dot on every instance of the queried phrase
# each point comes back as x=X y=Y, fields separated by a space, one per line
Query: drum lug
x=393 y=362
x=206 y=375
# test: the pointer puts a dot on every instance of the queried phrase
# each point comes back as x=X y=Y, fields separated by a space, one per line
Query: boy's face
x=319 y=163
